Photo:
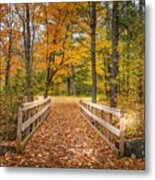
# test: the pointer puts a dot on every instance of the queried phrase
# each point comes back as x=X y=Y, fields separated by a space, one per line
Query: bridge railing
x=101 y=115
x=30 y=116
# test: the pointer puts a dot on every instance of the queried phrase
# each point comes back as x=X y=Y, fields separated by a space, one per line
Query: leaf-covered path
x=65 y=139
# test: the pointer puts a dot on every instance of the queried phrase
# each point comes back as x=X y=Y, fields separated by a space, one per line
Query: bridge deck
x=65 y=139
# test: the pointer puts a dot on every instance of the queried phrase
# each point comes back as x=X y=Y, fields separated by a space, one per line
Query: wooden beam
x=23 y=143
x=111 y=128
x=19 y=129
x=100 y=134
x=122 y=136
x=22 y=126
x=31 y=105
x=27 y=123
x=86 y=112
x=107 y=109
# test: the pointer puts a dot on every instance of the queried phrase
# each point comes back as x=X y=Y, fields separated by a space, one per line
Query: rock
x=1 y=150
x=134 y=146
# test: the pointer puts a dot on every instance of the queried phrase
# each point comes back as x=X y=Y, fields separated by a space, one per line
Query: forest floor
x=66 y=140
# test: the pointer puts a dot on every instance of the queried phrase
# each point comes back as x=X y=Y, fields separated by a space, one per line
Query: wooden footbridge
x=32 y=114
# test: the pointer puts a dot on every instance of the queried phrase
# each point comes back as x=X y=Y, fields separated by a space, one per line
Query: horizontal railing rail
x=89 y=112
x=30 y=116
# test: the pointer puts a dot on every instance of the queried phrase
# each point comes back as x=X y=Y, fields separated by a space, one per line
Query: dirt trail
x=66 y=140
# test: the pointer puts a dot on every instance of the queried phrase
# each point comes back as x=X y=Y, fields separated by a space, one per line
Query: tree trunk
x=93 y=50
x=127 y=85
x=28 y=58
x=49 y=73
x=68 y=86
x=107 y=71
x=9 y=53
x=72 y=79
x=71 y=88
x=115 y=39
x=47 y=82
x=46 y=90
x=8 y=65
x=47 y=55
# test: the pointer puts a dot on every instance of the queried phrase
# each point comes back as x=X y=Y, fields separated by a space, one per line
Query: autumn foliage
x=72 y=49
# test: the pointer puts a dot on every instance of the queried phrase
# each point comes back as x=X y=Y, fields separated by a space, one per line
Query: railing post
x=19 y=129
x=122 y=135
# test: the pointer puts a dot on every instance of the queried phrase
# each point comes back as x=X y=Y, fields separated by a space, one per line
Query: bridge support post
x=19 y=129
x=122 y=135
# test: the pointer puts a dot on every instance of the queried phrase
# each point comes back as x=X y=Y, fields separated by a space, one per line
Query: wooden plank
x=19 y=129
x=107 y=109
x=23 y=143
x=100 y=134
x=27 y=123
x=122 y=136
x=28 y=129
x=27 y=106
x=111 y=128
x=42 y=100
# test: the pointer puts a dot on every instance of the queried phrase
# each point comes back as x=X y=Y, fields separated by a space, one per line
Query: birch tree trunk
x=9 y=53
